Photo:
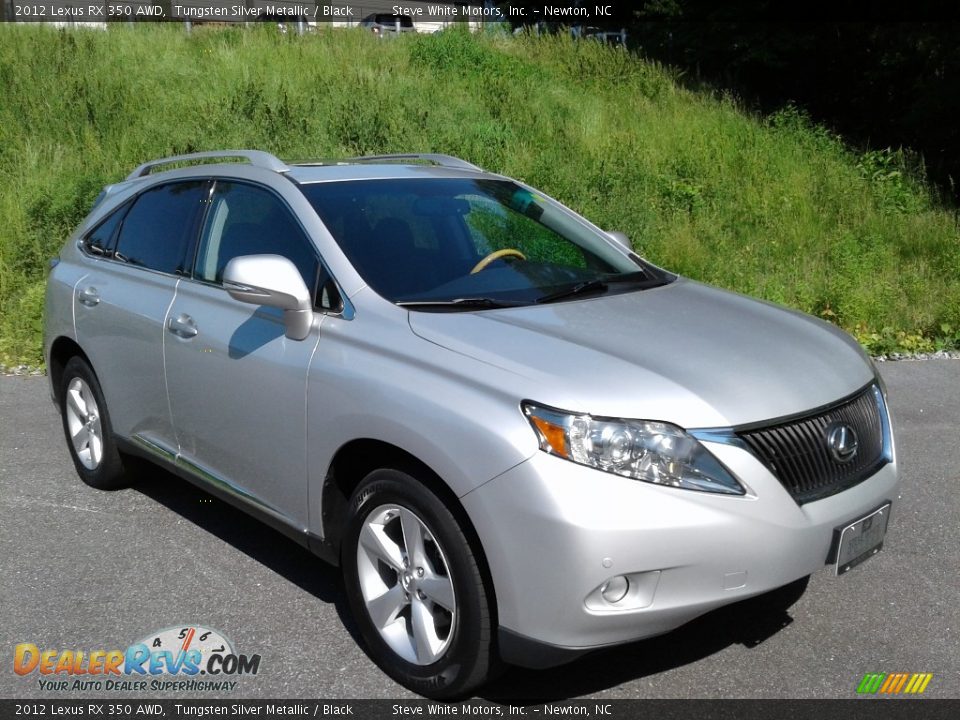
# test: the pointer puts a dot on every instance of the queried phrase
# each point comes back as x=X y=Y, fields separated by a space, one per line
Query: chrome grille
x=798 y=454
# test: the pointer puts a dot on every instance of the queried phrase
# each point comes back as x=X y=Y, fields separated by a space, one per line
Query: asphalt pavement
x=87 y=570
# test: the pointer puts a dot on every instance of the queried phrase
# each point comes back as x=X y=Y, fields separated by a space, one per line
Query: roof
x=373 y=166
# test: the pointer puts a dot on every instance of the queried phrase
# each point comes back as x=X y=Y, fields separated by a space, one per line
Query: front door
x=237 y=384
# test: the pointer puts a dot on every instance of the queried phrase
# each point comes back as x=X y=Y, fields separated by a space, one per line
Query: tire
x=87 y=429
x=433 y=629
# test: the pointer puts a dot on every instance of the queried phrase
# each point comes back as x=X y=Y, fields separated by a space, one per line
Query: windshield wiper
x=472 y=303
x=578 y=289
x=641 y=278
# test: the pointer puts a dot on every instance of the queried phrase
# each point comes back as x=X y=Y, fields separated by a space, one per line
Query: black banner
x=314 y=11
x=602 y=13
x=856 y=709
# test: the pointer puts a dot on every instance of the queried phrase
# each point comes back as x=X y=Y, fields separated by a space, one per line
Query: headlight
x=654 y=452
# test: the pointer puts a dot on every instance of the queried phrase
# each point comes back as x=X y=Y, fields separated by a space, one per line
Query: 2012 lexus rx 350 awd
x=518 y=439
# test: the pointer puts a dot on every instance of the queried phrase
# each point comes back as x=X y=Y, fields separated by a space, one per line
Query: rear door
x=121 y=303
x=237 y=384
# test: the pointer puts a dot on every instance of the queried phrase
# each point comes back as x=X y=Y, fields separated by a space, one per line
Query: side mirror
x=273 y=281
x=620 y=239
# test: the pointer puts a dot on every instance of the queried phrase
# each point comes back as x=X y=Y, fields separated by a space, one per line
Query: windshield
x=476 y=242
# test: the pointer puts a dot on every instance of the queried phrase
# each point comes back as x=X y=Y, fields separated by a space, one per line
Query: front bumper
x=554 y=532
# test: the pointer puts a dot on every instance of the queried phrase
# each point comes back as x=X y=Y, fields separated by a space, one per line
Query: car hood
x=684 y=353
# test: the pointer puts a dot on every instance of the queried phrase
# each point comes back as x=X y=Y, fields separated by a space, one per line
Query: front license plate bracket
x=858 y=541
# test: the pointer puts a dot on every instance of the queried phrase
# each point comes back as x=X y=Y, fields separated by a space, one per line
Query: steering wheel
x=496 y=255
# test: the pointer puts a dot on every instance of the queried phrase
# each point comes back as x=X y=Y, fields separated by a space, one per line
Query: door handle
x=183 y=326
x=89 y=296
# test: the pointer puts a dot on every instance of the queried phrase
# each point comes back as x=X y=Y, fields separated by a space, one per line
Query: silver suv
x=519 y=440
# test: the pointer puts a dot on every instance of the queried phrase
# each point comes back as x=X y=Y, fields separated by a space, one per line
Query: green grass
x=773 y=207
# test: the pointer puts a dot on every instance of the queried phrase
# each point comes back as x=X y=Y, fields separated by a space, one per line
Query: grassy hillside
x=773 y=207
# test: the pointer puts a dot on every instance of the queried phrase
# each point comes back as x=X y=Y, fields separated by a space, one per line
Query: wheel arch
x=356 y=459
x=61 y=350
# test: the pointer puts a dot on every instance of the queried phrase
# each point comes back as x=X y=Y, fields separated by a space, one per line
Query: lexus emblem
x=842 y=442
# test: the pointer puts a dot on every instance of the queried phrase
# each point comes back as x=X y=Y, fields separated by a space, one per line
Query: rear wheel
x=86 y=426
x=415 y=588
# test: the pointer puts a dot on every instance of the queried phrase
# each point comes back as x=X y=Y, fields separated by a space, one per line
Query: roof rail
x=436 y=159
x=257 y=158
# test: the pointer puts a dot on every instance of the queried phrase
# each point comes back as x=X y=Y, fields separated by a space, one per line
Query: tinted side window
x=248 y=220
x=405 y=20
x=157 y=231
x=101 y=239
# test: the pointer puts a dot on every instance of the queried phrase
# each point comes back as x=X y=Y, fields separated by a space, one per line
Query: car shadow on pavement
x=248 y=535
x=748 y=622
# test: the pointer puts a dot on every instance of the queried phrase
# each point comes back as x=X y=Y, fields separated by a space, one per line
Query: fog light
x=615 y=589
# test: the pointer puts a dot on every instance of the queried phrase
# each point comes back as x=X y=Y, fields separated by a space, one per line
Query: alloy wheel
x=406 y=585
x=83 y=423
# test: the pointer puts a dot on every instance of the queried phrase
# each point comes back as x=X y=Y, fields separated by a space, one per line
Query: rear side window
x=158 y=229
x=404 y=20
x=101 y=239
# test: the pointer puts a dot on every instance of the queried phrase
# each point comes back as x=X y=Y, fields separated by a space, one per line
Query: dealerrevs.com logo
x=190 y=658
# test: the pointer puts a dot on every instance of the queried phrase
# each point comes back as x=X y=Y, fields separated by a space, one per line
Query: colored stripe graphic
x=927 y=677
x=894 y=683
x=870 y=683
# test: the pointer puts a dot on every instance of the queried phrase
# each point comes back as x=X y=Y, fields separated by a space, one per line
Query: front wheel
x=415 y=588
